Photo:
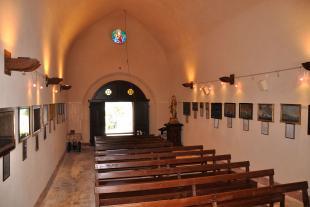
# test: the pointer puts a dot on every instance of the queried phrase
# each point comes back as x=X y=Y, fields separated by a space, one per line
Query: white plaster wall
x=273 y=35
x=21 y=32
x=94 y=60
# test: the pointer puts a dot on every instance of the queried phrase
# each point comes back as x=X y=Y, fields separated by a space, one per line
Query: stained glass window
x=108 y=92
x=130 y=91
x=119 y=36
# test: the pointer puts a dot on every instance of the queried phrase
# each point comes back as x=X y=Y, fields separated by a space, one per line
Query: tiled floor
x=74 y=183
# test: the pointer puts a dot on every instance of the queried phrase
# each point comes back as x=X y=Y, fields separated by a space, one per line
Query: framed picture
x=265 y=112
x=24 y=150
x=309 y=120
x=195 y=109
x=246 y=111
x=45 y=114
x=216 y=123
x=207 y=110
x=37 y=142
x=7 y=132
x=23 y=123
x=6 y=167
x=291 y=113
x=265 y=128
x=230 y=110
x=290 y=131
x=186 y=108
x=201 y=108
x=36 y=119
x=216 y=110
x=246 y=125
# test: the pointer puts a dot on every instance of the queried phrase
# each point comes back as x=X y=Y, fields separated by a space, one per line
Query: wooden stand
x=174 y=133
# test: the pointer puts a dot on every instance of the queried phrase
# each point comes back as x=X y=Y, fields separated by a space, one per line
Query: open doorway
x=119 y=118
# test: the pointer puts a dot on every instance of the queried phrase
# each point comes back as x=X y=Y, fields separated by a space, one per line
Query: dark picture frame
x=6 y=167
x=290 y=113
x=7 y=130
x=265 y=112
x=207 y=107
x=230 y=110
x=216 y=110
x=36 y=119
x=201 y=109
x=24 y=123
x=25 y=149
x=195 y=109
x=186 y=108
x=246 y=111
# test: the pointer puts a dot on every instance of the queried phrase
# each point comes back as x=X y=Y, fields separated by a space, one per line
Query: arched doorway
x=119 y=108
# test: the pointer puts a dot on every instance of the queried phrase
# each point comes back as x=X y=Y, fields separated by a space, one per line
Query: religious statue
x=173 y=110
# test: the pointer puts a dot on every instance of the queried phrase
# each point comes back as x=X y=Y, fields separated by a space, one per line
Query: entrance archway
x=124 y=94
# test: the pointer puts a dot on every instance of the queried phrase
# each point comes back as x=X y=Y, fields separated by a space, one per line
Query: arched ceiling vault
x=174 y=23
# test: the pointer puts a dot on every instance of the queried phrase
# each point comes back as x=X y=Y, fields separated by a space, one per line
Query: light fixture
x=306 y=65
x=52 y=81
x=228 y=79
x=189 y=85
x=65 y=87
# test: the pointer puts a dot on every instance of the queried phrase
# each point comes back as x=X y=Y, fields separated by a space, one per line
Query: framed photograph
x=45 y=114
x=230 y=110
x=6 y=167
x=216 y=123
x=195 y=109
x=229 y=122
x=246 y=125
x=207 y=110
x=7 y=132
x=37 y=142
x=201 y=109
x=44 y=132
x=265 y=112
x=36 y=119
x=291 y=113
x=23 y=123
x=265 y=128
x=309 y=120
x=216 y=110
x=186 y=108
x=246 y=111
x=24 y=150
x=290 y=131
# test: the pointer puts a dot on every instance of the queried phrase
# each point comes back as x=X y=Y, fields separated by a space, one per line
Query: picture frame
x=216 y=123
x=36 y=119
x=265 y=128
x=246 y=124
x=265 y=112
x=37 y=143
x=195 y=109
x=230 y=110
x=24 y=123
x=216 y=110
x=207 y=107
x=246 y=111
x=7 y=130
x=201 y=109
x=25 y=150
x=6 y=167
x=290 y=131
x=290 y=113
x=45 y=114
x=186 y=110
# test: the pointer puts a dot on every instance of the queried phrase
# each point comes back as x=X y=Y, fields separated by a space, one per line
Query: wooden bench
x=147 y=150
x=132 y=146
x=177 y=188
x=239 y=198
x=154 y=156
x=161 y=163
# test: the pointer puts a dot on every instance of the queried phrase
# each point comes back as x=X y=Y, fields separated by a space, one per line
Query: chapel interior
x=202 y=103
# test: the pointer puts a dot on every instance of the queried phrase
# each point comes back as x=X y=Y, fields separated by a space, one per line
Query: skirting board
x=49 y=183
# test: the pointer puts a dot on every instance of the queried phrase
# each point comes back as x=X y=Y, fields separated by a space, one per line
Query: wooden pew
x=176 y=173
x=154 y=156
x=132 y=146
x=148 y=150
x=161 y=163
x=117 y=140
x=239 y=198
x=178 y=188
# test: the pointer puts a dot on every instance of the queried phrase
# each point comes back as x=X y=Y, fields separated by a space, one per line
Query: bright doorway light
x=118 y=118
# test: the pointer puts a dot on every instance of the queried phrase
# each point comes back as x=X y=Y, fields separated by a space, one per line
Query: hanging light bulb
x=41 y=87
x=34 y=85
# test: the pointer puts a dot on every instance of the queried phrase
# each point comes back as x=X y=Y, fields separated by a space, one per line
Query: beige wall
x=273 y=35
x=95 y=60
x=22 y=31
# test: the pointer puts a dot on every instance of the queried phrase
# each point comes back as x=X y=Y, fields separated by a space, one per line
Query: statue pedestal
x=174 y=133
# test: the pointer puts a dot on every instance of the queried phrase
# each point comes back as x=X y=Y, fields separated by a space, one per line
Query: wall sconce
x=230 y=79
x=65 y=87
x=306 y=65
x=52 y=81
x=20 y=64
x=189 y=85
